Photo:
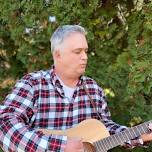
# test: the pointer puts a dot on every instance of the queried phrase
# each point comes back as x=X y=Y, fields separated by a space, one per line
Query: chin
x=81 y=72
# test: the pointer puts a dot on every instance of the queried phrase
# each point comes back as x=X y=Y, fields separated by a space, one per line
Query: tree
x=120 y=55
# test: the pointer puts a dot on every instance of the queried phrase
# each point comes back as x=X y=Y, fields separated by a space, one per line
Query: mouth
x=83 y=65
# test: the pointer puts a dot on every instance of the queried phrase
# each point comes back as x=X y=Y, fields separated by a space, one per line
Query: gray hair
x=63 y=32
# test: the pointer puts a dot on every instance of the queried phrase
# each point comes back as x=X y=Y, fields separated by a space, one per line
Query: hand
x=74 y=145
x=147 y=137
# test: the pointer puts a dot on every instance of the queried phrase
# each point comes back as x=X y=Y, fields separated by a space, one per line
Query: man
x=56 y=100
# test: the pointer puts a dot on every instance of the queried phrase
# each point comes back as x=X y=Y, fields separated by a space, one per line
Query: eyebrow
x=86 y=49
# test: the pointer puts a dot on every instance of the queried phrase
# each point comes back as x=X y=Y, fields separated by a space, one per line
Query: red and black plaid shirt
x=38 y=101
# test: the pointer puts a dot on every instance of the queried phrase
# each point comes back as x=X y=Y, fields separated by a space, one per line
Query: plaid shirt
x=38 y=101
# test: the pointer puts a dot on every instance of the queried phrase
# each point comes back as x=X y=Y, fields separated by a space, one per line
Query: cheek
x=73 y=58
x=70 y=60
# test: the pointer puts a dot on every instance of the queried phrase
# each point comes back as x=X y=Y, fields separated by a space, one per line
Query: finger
x=150 y=126
x=76 y=138
x=77 y=142
x=81 y=150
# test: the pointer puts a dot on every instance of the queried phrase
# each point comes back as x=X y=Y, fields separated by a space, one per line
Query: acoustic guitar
x=95 y=136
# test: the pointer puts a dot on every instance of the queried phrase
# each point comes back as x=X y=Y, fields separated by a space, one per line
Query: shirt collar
x=56 y=81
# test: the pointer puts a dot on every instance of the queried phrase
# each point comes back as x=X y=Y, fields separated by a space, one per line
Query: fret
x=129 y=134
x=125 y=133
x=109 y=142
x=96 y=145
x=103 y=145
x=99 y=146
x=136 y=128
x=116 y=140
x=106 y=143
x=146 y=126
x=134 y=133
x=112 y=140
x=142 y=127
x=120 y=140
x=123 y=139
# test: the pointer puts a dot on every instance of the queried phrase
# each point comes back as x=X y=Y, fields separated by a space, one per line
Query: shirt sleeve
x=113 y=127
x=16 y=133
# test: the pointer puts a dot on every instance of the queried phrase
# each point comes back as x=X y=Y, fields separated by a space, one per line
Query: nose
x=84 y=55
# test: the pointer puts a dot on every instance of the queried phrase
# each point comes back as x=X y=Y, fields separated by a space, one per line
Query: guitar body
x=95 y=136
x=90 y=130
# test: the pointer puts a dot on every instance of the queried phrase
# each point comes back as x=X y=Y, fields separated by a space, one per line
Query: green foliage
x=120 y=54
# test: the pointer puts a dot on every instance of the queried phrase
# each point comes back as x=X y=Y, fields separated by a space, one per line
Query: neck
x=67 y=80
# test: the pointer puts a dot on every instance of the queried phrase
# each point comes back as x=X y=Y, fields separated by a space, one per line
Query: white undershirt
x=68 y=91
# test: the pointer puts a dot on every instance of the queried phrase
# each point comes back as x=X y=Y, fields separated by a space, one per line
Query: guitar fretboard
x=122 y=137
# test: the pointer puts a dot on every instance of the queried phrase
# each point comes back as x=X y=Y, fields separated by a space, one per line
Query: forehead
x=75 y=40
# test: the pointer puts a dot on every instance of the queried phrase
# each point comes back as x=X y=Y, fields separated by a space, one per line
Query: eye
x=86 y=51
x=78 y=51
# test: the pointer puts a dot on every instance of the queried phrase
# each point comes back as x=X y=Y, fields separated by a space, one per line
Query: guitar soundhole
x=88 y=147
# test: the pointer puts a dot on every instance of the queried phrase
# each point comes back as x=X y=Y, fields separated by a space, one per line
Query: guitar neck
x=122 y=137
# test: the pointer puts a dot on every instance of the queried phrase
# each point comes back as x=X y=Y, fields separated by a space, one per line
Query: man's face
x=73 y=56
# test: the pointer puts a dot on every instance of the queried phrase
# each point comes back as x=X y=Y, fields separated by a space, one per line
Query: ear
x=57 y=54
